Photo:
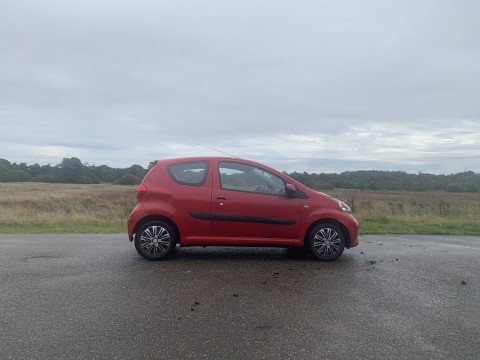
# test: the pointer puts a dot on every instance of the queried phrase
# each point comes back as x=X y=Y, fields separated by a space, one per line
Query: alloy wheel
x=327 y=242
x=155 y=241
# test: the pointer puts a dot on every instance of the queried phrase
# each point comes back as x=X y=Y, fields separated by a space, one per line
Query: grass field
x=68 y=208
x=64 y=208
x=397 y=212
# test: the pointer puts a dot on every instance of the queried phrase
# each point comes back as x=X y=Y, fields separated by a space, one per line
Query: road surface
x=93 y=297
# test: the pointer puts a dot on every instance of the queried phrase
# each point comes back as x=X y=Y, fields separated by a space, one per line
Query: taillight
x=141 y=190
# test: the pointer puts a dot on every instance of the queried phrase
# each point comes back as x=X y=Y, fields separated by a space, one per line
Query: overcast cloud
x=318 y=86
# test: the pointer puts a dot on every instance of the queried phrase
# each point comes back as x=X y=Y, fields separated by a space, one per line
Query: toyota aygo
x=210 y=201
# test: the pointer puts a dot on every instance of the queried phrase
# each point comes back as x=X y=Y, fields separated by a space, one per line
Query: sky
x=316 y=86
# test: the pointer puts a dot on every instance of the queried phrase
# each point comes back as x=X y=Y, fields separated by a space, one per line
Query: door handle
x=221 y=197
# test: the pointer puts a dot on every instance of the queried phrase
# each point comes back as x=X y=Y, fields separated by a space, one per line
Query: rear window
x=191 y=173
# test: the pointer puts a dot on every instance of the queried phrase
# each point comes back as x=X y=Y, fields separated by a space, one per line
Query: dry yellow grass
x=53 y=208
x=71 y=208
x=414 y=212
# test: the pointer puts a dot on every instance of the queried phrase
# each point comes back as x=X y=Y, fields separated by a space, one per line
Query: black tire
x=326 y=242
x=155 y=240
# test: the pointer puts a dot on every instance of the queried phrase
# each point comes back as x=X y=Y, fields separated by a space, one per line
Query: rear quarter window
x=191 y=173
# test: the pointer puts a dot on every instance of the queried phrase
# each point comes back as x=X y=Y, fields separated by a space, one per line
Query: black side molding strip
x=240 y=218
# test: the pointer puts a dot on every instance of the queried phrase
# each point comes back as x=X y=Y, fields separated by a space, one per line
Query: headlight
x=343 y=207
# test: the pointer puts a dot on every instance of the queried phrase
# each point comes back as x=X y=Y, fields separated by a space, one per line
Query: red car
x=230 y=201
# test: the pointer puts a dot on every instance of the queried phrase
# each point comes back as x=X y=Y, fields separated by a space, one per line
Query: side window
x=191 y=173
x=247 y=178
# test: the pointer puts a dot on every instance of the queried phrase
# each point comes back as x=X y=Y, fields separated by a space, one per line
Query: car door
x=249 y=201
x=188 y=191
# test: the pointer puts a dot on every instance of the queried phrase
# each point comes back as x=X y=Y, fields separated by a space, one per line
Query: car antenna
x=220 y=151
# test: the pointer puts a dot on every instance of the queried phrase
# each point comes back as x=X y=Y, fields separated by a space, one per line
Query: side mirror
x=291 y=191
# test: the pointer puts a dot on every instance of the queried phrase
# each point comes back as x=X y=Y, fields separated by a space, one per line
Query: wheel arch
x=157 y=217
x=343 y=229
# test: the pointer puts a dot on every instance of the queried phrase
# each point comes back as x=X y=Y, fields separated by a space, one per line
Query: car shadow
x=239 y=253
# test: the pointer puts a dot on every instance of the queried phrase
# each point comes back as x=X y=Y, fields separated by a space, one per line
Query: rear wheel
x=155 y=240
x=326 y=242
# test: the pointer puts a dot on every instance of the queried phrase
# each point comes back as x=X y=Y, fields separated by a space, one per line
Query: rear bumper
x=135 y=216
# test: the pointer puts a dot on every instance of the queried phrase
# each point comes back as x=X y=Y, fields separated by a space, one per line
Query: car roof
x=210 y=158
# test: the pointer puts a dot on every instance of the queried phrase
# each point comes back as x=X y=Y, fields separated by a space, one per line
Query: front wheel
x=326 y=242
x=155 y=240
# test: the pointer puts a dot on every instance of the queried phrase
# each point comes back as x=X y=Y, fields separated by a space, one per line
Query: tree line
x=72 y=170
x=467 y=181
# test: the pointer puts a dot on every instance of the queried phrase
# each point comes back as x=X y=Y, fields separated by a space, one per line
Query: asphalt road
x=93 y=297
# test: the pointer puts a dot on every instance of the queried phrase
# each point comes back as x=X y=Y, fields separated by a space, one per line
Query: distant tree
x=5 y=164
x=128 y=179
x=73 y=171
x=21 y=176
x=472 y=187
x=20 y=167
x=107 y=174
x=152 y=164
x=46 y=178
x=456 y=187
x=34 y=170
x=6 y=175
x=322 y=185
x=136 y=170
